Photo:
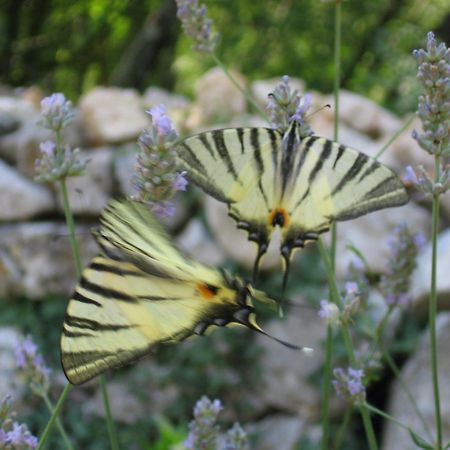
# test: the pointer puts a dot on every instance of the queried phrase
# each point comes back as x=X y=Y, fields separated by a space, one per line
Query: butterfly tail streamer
x=260 y=254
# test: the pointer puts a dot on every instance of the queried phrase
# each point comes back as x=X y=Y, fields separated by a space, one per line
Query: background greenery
x=71 y=46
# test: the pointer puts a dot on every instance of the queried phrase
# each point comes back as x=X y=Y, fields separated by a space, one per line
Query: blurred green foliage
x=73 y=46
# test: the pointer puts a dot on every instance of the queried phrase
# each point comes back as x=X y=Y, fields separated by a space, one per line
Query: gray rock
x=112 y=115
x=234 y=242
x=9 y=385
x=212 y=88
x=36 y=258
x=364 y=115
x=417 y=375
x=286 y=373
x=89 y=193
x=124 y=162
x=197 y=244
x=370 y=234
x=21 y=198
x=8 y=123
x=280 y=432
x=421 y=278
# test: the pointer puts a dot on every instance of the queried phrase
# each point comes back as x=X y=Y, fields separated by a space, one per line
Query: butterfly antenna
x=285 y=343
x=318 y=110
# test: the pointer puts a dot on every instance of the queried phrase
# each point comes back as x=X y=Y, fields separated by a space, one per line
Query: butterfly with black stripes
x=301 y=184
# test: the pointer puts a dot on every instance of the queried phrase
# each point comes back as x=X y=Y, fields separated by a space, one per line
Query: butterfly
x=141 y=291
x=270 y=179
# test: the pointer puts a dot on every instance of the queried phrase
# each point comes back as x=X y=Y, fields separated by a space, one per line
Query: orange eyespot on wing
x=280 y=217
x=207 y=291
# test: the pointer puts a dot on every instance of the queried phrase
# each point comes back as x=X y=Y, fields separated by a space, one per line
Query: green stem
x=76 y=255
x=336 y=298
x=71 y=226
x=337 y=65
x=433 y=308
x=399 y=377
x=385 y=416
x=340 y=433
x=54 y=416
x=327 y=389
x=395 y=136
x=244 y=91
x=51 y=408
x=109 y=420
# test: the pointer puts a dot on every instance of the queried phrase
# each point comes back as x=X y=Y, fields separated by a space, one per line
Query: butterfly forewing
x=237 y=166
x=336 y=183
x=133 y=297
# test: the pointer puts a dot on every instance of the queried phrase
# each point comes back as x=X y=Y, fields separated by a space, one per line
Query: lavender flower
x=434 y=104
x=203 y=431
x=401 y=264
x=197 y=26
x=57 y=161
x=55 y=164
x=14 y=436
x=349 y=384
x=31 y=365
x=329 y=312
x=155 y=178
x=205 y=434
x=236 y=439
x=351 y=301
x=285 y=105
x=57 y=112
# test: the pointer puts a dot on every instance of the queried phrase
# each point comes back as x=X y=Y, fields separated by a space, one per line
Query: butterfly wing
x=301 y=184
x=140 y=293
x=334 y=182
x=238 y=166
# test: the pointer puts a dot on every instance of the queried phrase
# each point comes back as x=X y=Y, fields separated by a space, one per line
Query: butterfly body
x=301 y=184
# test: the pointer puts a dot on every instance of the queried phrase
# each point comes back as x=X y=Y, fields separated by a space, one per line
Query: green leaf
x=447 y=446
x=420 y=442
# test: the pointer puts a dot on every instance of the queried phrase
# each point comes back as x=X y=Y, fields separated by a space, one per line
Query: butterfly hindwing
x=131 y=298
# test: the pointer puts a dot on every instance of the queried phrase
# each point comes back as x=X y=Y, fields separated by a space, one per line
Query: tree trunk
x=139 y=62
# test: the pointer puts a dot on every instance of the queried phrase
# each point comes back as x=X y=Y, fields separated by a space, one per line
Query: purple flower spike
x=57 y=112
x=349 y=385
x=155 y=178
x=196 y=25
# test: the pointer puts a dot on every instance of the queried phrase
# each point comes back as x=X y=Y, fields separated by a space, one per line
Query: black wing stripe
x=372 y=168
x=307 y=143
x=190 y=158
x=94 y=325
x=273 y=135
x=157 y=298
x=289 y=149
x=341 y=151
x=254 y=140
x=240 y=135
x=82 y=299
x=222 y=150
x=324 y=155
x=387 y=186
x=106 y=292
x=116 y=270
x=204 y=140
x=75 y=334
x=356 y=167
